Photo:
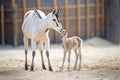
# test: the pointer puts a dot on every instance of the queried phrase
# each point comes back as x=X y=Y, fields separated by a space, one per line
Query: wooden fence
x=84 y=18
x=112 y=19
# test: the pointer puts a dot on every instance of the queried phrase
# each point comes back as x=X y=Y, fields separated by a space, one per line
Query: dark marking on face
x=57 y=16
x=55 y=22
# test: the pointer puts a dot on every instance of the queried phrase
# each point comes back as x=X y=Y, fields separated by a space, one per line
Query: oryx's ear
x=54 y=12
x=67 y=30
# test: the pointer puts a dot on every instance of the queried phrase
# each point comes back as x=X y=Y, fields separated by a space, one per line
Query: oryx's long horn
x=38 y=14
x=59 y=10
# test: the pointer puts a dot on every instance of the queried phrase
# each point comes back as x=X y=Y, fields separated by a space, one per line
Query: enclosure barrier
x=14 y=21
x=85 y=18
x=2 y=25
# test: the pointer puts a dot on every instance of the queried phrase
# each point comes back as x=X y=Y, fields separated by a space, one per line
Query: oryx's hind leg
x=47 y=43
x=40 y=45
x=76 y=55
x=33 y=43
x=25 y=40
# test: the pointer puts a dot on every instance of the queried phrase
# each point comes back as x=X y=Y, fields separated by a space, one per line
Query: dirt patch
x=100 y=61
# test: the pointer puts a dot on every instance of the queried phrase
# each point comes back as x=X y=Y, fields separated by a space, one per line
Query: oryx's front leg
x=33 y=44
x=47 y=43
x=40 y=45
x=25 y=40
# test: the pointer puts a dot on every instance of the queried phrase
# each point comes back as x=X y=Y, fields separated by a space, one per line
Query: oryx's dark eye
x=54 y=20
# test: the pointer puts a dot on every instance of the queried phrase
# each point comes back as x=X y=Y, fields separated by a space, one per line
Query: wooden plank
x=97 y=19
x=14 y=19
x=88 y=19
x=66 y=14
x=24 y=7
x=2 y=25
x=15 y=28
x=38 y=4
x=119 y=25
x=103 y=21
x=78 y=19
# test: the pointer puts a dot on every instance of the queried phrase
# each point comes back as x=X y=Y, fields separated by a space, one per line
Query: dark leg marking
x=49 y=65
x=32 y=65
x=43 y=65
x=26 y=65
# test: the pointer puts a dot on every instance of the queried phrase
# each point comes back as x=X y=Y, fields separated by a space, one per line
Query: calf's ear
x=67 y=30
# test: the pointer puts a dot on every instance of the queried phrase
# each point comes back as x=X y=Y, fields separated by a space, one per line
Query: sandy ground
x=100 y=61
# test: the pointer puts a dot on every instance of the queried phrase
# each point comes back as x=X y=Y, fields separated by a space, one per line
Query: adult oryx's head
x=53 y=20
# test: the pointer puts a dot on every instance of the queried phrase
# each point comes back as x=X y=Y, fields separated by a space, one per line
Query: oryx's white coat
x=36 y=27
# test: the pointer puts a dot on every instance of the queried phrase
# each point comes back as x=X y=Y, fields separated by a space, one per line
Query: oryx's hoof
x=43 y=66
x=50 y=69
x=26 y=67
x=74 y=68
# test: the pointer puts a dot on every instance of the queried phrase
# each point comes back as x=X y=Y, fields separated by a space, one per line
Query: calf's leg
x=76 y=55
x=63 y=61
x=69 y=60
x=80 y=58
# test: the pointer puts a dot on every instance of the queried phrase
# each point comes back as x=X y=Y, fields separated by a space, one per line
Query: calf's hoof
x=31 y=69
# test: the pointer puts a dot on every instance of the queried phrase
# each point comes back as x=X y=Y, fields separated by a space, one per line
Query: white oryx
x=36 y=27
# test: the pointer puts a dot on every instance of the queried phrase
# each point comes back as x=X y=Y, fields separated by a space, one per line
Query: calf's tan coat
x=71 y=43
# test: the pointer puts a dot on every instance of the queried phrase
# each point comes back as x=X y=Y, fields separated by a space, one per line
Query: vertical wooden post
x=88 y=19
x=2 y=25
x=38 y=4
x=97 y=19
x=14 y=18
x=24 y=6
x=54 y=6
x=78 y=19
x=103 y=21
x=66 y=14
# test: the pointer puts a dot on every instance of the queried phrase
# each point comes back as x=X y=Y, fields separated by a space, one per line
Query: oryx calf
x=71 y=43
